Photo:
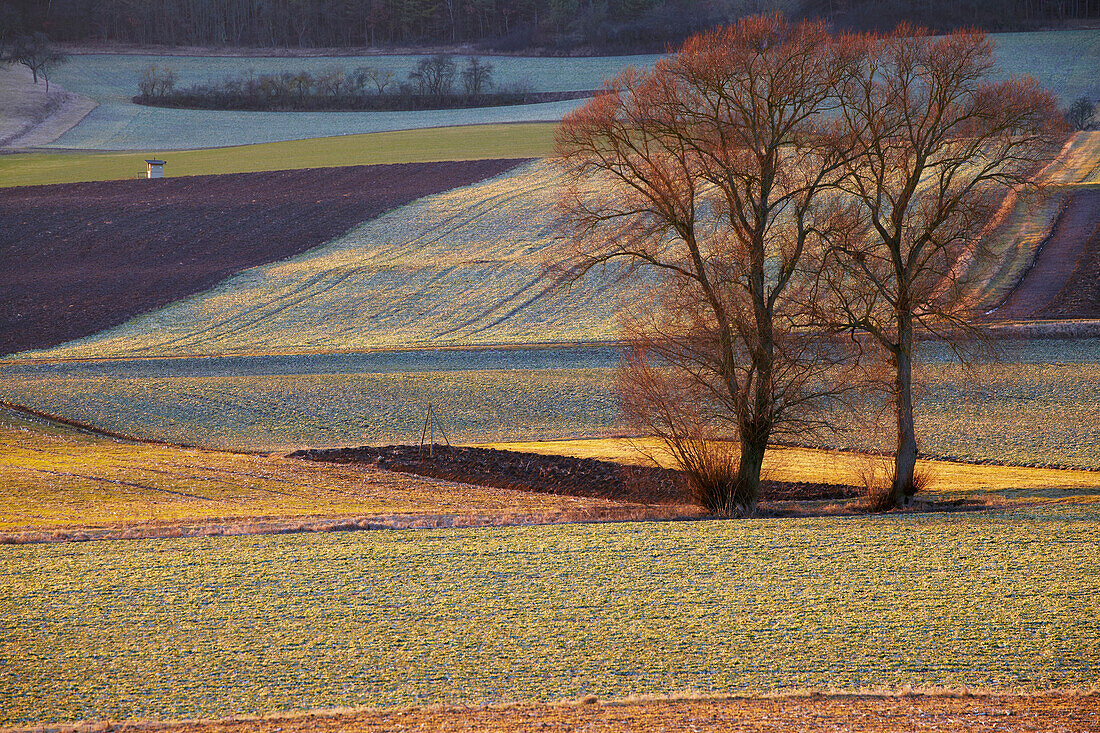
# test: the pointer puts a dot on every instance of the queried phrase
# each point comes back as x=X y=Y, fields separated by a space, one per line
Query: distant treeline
x=435 y=83
x=552 y=26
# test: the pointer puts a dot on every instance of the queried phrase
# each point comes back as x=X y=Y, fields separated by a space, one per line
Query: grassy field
x=63 y=483
x=459 y=268
x=465 y=267
x=1036 y=406
x=184 y=627
x=1064 y=61
x=59 y=479
x=531 y=140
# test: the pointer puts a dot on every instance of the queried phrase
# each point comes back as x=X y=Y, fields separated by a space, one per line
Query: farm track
x=1063 y=280
x=78 y=258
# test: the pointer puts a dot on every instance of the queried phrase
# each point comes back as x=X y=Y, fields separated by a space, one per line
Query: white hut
x=156 y=168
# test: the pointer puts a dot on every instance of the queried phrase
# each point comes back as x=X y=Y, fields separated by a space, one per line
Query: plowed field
x=78 y=258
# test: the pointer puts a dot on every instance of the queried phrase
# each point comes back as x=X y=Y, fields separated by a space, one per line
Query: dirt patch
x=81 y=257
x=551 y=474
x=1064 y=281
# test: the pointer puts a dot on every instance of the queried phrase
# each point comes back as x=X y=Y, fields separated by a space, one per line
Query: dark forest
x=544 y=26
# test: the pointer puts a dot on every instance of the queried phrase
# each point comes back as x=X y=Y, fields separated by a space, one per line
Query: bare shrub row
x=437 y=82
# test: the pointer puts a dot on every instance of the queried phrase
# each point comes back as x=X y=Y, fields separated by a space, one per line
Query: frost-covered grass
x=1037 y=407
x=463 y=267
x=1065 y=61
x=217 y=626
x=118 y=124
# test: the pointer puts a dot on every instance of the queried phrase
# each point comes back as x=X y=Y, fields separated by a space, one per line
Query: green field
x=522 y=140
x=219 y=626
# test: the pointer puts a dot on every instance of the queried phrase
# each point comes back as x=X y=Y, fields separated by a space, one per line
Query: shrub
x=156 y=81
x=877 y=484
x=1081 y=114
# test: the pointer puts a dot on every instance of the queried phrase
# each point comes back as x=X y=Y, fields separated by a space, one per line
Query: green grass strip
x=476 y=142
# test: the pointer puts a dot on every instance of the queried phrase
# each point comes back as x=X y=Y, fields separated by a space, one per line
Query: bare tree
x=1081 y=114
x=435 y=75
x=156 y=81
x=37 y=54
x=477 y=76
x=714 y=172
x=380 y=78
x=939 y=143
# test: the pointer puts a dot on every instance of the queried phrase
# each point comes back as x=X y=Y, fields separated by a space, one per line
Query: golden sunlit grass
x=60 y=479
x=56 y=479
x=1079 y=163
x=826 y=466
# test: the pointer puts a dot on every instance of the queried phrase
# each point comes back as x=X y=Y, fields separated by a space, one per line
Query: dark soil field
x=78 y=258
x=552 y=474
x=1064 y=281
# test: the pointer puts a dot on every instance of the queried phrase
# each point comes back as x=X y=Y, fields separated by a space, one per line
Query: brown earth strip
x=553 y=474
x=1080 y=296
x=1062 y=281
x=78 y=258
x=1058 y=710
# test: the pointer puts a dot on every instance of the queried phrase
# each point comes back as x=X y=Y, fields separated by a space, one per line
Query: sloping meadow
x=447 y=301
x=464 y=267
x=1064 y=61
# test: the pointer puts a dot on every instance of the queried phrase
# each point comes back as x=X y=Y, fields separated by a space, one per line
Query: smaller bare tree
x=38 y=54
x=156 y=81
x=379 y=78
x=435 y=75
x=939 y=142
x=1081 y=115
x=477 y=77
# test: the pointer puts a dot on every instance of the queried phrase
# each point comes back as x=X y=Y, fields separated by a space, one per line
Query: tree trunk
x=754 y=443
x=905 y=459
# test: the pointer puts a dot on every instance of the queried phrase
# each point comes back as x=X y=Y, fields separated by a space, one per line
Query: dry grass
x=945 y=479
x=1078 y=164
x=31 y=116
x=61 y=484
x=880 y=711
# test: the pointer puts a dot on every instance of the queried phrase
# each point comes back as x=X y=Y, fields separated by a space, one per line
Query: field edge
x=864 y=709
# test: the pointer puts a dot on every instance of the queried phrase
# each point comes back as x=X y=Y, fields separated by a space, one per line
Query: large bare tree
x=939 y=143
x=714 y=171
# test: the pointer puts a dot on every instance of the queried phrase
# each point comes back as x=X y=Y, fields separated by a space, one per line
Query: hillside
x=463 y=267
x=78 y=258
x=467 y=267
x=1063 y=61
